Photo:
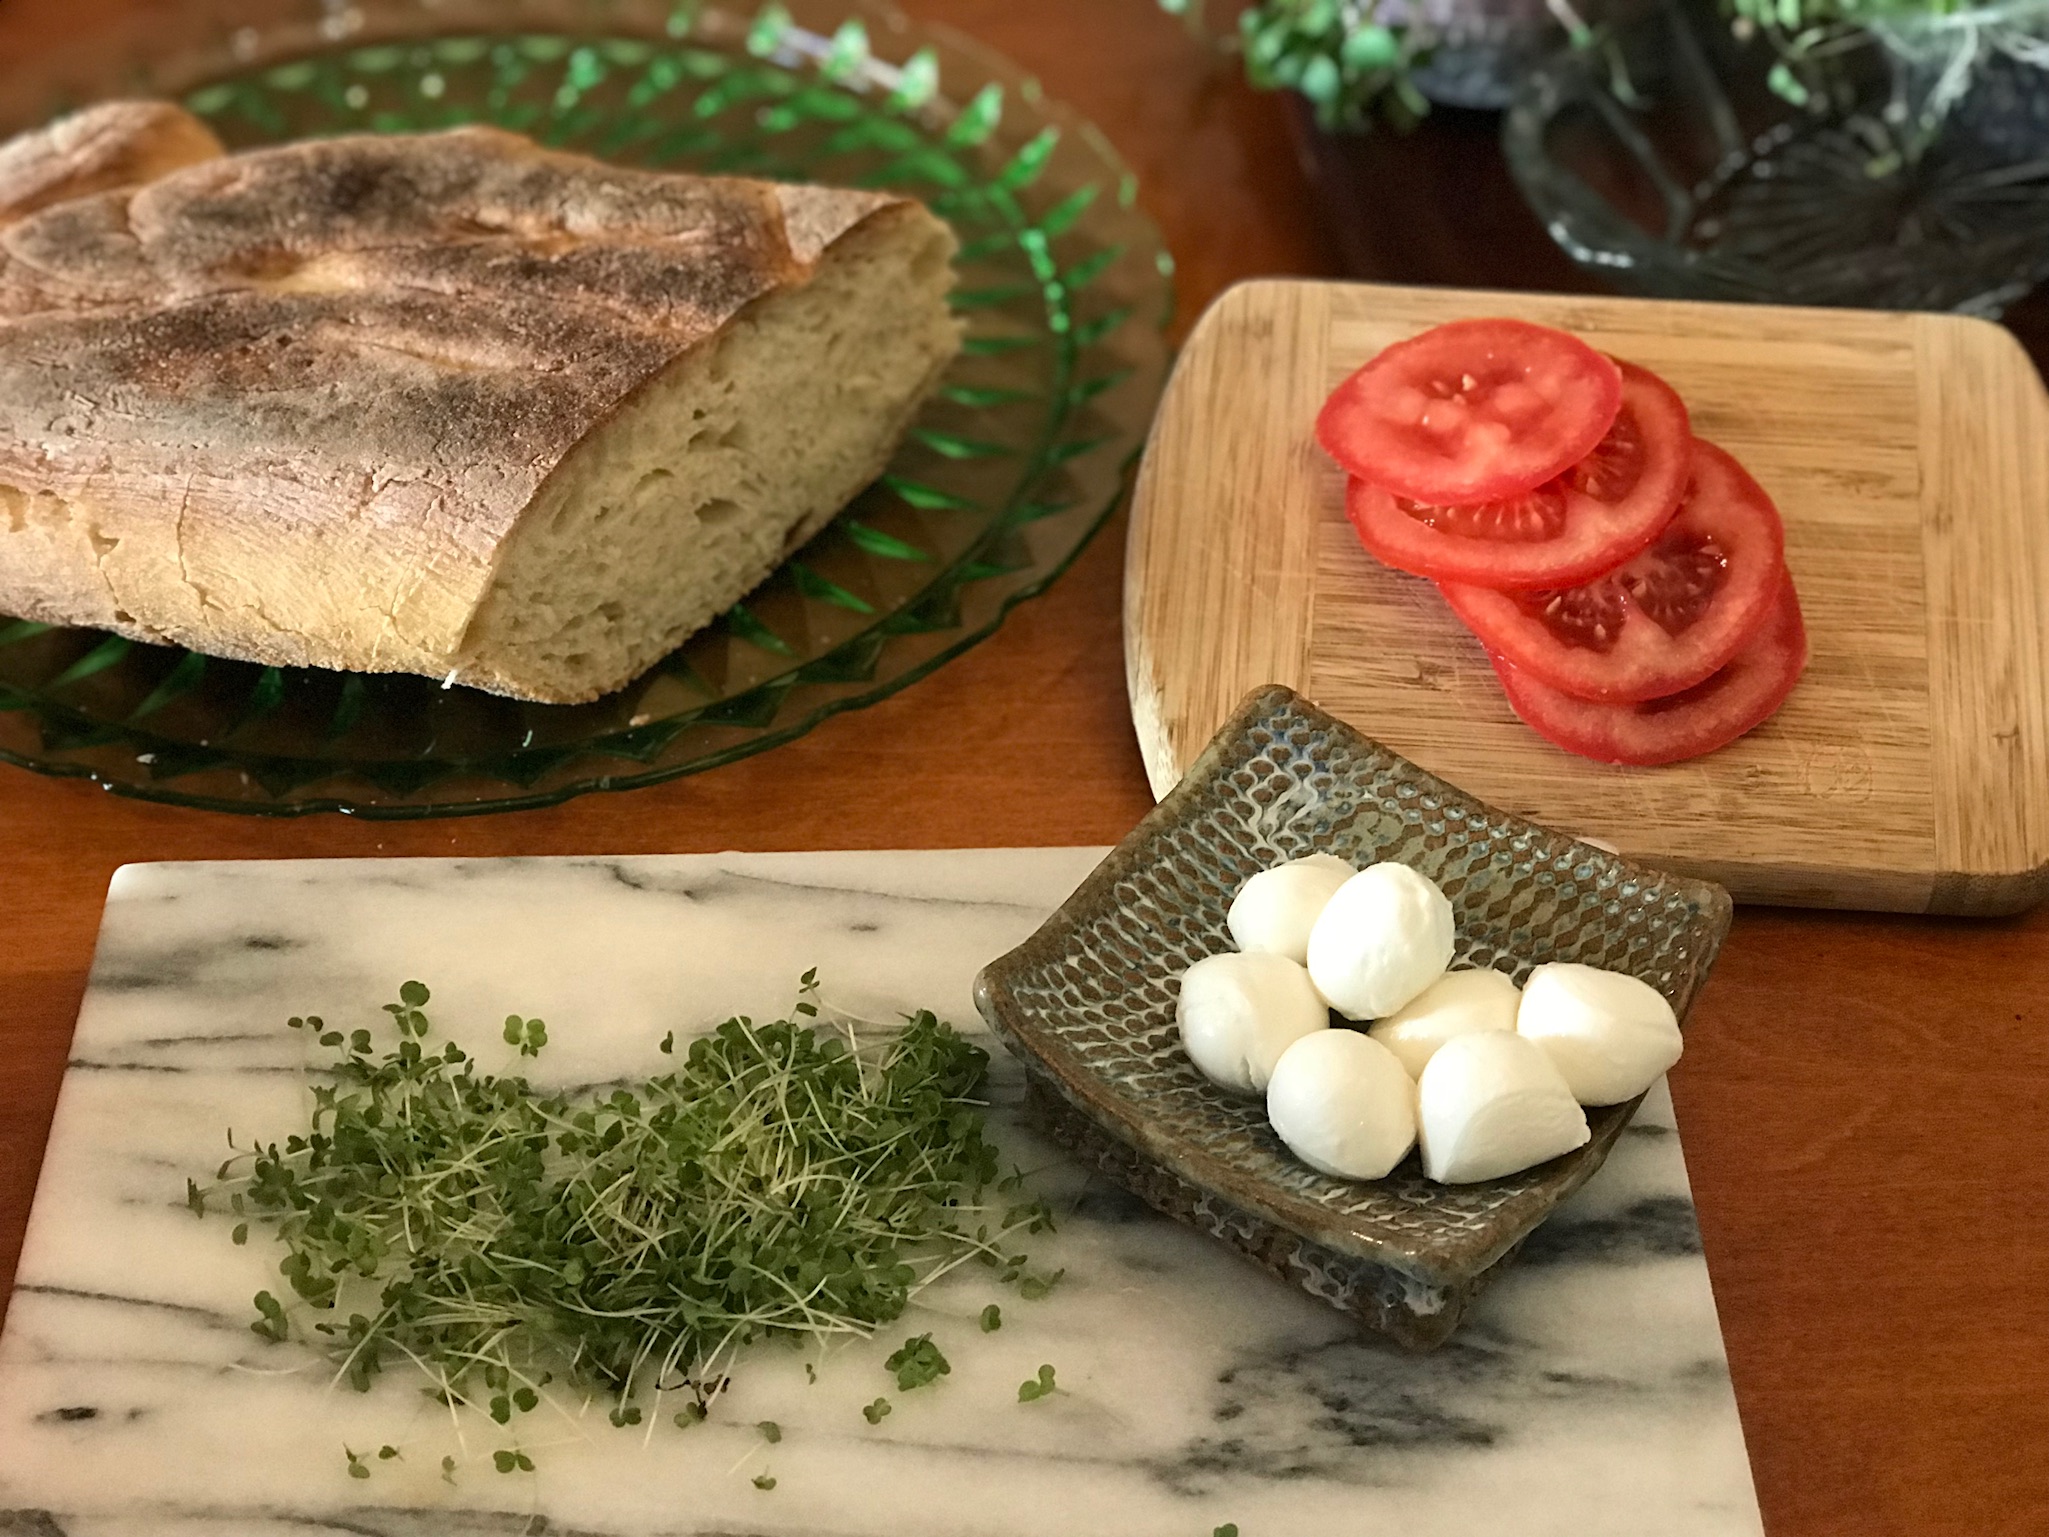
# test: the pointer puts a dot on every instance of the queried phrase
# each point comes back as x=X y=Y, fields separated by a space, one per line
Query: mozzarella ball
x=1457 y=1003
x=1343 y=1104
x=1491 y=1103
x=1384 y=937
x=1276 y=909
x=1239 y=1012
x=1610 y=1034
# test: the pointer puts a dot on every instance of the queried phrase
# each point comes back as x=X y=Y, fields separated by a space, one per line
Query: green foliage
x=1034 y=1287
x=1349 y=58
x=1355 y=60
x=1039 y=1387
x=784 y=1180
x=916 y=1363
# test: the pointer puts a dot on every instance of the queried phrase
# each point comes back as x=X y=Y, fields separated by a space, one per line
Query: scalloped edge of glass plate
x=967 y=641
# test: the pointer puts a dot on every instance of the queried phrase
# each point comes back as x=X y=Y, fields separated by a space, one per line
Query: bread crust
x=118 y=144
x=287 y=405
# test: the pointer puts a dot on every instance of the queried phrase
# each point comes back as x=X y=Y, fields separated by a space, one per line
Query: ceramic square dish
x=1087 y=1004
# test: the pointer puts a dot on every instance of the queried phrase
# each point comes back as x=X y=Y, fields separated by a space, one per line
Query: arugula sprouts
x=785 y=1180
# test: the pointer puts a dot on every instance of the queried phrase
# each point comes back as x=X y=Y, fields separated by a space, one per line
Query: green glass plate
x=1064 y=285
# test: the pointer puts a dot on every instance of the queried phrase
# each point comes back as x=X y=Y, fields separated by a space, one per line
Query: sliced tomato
x=1573 y=527
x=1746 y=692
x=1663 y=620
x=1470 y=412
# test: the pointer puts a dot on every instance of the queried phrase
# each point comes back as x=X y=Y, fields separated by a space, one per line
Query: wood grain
x=1863 y=1095
x=1209 y=561
x=1908 y=771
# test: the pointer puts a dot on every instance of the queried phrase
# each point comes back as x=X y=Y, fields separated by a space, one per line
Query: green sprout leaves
x=1348 y=58
x=490 y=1234
x=270 y=1318
x=529 y=1035
x=917 y=1363
x=1038 y=1387
x=1034 y=1287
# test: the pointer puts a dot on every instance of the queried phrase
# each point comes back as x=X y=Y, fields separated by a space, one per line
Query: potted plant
x=1355 y=61
x=1435 y=206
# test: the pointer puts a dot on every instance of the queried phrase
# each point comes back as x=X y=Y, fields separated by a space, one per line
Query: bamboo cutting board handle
x=1909 y=455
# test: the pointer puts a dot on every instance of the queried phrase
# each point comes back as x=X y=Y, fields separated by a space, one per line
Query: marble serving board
x=1588 y=1394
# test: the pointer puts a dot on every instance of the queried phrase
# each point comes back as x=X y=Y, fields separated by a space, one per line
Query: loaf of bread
x=446 y=404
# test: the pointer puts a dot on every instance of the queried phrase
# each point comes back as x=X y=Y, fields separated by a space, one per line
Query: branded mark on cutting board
x=1837 y=773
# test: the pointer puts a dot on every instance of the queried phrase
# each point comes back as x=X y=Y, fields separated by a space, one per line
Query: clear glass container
x=1663 y=162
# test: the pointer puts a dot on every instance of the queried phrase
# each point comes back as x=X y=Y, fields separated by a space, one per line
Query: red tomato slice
x=1745 y=693
x=1474 y=411
x=1663 y=620
x=1568 y=530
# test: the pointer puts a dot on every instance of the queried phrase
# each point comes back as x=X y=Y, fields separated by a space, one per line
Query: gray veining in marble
x=1588 y=1397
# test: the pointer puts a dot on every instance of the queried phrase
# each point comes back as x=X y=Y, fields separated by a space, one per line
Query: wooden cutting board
x=1909 y=454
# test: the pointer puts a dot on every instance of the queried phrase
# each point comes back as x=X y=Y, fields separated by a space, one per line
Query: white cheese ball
x=1239 y=1012
x=1384 y=937
x=1277 y=908
x=1610 y=1034
x=1343 y=1104
x=1491 y=1103
x=1457 y=1003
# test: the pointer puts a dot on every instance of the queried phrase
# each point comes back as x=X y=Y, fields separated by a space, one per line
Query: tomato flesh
x=1745 y=692
x=1471 y=412
x=1664 y=620
x=1568 y=530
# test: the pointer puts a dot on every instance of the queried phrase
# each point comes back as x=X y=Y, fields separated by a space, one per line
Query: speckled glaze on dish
x=1087 y=1004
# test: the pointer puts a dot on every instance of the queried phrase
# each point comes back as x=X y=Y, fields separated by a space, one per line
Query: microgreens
x=785 y=1180
x=1033 y=1287
x=916 y=1363
x=992 y=1318
x=1038 y=1388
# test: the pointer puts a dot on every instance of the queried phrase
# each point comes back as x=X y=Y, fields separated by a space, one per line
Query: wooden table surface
x=1865 y=1099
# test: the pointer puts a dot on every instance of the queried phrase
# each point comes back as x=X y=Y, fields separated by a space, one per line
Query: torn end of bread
x=707 y=479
